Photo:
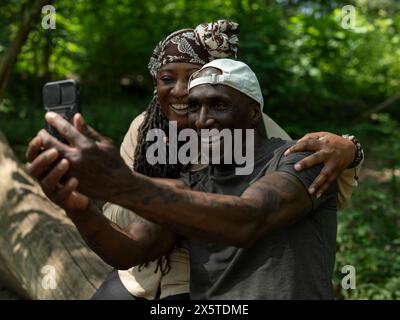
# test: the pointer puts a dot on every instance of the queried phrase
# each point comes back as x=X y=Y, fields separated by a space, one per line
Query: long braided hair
x=154 y=119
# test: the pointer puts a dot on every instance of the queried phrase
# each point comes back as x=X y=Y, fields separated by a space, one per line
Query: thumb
x=80 y=124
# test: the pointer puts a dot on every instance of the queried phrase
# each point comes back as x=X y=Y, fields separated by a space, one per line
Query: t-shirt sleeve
x=306 y=176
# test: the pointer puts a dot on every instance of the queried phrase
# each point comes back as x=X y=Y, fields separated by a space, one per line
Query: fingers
x=322 y=145
x=310 y=161
x=73 y=201
x=304 y=145
x=51 y=182
x=42 y=163
x=34 y=148
x=67 y=130
x=312 y=135
x=69 y=199
x=322 y=181
x=48 y=142
x=87 y=130
x=70 y=186
x=325 y=186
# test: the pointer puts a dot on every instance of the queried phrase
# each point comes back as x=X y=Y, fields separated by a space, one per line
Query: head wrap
x=199 y=46
x=219 y=38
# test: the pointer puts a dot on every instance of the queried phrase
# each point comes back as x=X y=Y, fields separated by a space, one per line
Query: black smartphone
x=61 y=97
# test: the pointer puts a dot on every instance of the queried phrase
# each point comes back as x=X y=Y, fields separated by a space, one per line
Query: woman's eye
x=166 y=79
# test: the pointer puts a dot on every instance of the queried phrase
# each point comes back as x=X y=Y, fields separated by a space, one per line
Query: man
x=263 y=236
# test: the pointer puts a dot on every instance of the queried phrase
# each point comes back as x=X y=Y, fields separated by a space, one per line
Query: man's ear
x=255 y=115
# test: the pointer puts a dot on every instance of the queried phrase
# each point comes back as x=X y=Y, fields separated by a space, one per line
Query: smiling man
x=289 y=251
x=254 y=236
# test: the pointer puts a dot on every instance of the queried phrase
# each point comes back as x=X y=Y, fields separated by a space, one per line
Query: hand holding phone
x=61 y=97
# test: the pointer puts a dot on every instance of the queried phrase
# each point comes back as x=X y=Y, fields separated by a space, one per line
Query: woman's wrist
x=358 y=151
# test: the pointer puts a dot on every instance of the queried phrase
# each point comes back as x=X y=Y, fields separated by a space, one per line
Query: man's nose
x=180 y=89
x=204 y=120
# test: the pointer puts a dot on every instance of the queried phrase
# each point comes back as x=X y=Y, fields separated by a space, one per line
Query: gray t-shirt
x=295 y=262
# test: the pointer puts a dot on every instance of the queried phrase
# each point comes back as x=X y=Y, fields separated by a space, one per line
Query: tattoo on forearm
x=166 y=195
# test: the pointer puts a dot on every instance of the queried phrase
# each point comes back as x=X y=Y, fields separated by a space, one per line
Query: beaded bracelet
x=359 y=156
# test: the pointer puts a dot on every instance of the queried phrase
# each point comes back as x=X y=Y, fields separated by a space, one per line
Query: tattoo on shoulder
x=278 y=189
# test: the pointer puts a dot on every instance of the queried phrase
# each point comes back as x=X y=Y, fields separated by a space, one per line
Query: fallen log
x=42 y=255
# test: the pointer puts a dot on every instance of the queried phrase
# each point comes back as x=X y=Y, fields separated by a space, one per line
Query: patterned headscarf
x=199 y=46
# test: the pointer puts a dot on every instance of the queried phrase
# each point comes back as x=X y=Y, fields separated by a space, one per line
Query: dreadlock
x=154 y=119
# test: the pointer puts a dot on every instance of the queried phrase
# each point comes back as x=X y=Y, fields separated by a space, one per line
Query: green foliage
x=369 y=239
x=369 y=229
x=305 y=60
x=20 y=124
x=385 y=131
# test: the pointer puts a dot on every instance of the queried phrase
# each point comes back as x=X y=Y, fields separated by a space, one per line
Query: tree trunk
x=36 y=238
x=10 y=56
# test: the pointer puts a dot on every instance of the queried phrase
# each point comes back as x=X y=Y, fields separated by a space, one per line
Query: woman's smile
x=179 y=108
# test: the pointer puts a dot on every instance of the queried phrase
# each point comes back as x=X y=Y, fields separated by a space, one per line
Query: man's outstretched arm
x=276 y=200
x=140 y=242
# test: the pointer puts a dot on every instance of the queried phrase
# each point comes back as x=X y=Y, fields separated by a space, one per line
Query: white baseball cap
x=235 y=74
x=238 y=75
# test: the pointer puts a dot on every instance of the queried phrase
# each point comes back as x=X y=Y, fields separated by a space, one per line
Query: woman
x=173 y=61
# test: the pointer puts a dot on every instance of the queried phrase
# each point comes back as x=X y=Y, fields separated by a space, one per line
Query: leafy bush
x=20 y=123
x=369 y=239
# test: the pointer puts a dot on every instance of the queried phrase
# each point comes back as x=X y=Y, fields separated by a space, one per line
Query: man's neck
x=260 y=139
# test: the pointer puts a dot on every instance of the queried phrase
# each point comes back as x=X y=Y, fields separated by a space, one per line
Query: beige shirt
x=145 y=283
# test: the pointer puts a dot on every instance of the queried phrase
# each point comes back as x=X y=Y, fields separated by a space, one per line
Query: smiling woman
x=172 y=90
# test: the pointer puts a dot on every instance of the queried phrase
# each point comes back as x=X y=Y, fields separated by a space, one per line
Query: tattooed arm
x=140 y=242
x=276 y=200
